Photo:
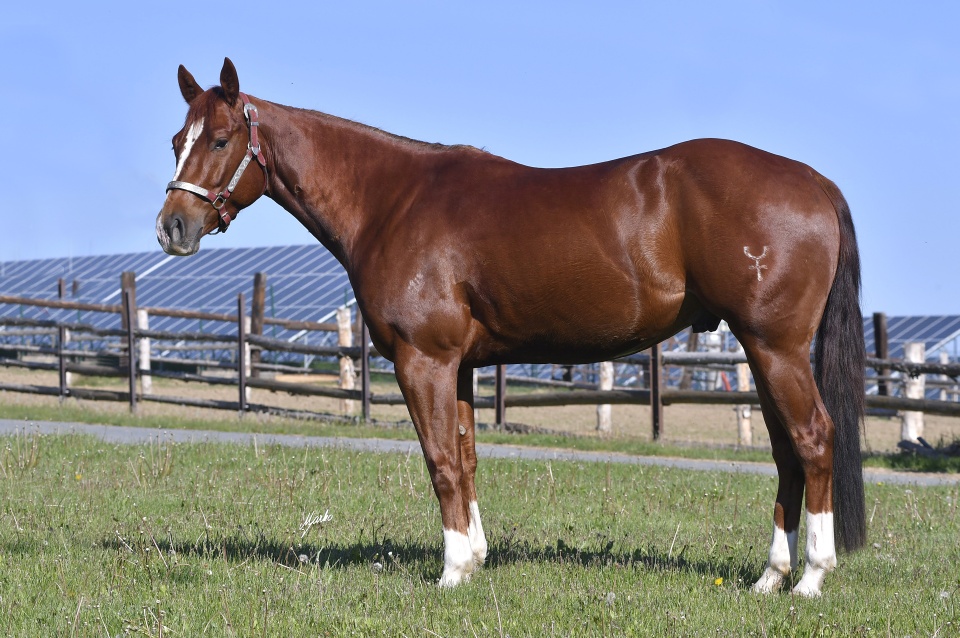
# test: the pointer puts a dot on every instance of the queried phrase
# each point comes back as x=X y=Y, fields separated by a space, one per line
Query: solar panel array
x=935 y=332
x=303 y=282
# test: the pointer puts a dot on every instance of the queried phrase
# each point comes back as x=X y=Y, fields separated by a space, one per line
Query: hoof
x=769 y=582
x=480 y=553
x=452 y=577
x=809 y=585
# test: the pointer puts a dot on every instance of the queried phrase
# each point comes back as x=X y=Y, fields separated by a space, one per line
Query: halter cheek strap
x=218 y=200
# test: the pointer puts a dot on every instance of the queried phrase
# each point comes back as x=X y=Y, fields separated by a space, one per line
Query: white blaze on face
x=192 y=134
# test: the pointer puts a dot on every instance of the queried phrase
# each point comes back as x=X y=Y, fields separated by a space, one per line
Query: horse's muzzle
x=176 y=236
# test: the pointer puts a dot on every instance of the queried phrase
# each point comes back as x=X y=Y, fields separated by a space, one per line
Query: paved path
x=134 y=435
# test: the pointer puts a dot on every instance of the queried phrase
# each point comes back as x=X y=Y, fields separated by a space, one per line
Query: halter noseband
x=218 y=200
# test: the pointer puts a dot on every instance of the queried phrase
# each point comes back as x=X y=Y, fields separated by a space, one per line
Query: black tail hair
x=839 y=356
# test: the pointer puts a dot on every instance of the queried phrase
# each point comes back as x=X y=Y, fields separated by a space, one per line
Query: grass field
x=194 y=540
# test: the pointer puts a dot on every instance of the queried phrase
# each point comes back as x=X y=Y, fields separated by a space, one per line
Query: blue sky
x=866 y=93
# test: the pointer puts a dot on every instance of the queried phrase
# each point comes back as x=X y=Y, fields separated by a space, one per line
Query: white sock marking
x=475 y=533
x=821 y=554
x=781 y=557
x=782 y=560
x=192 y=134
x=457 y=558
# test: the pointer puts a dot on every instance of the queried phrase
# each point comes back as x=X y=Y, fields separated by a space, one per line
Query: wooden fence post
x=656 y=401
x=364 y=370
x=347 y=371
x=242 y=352
x=881 y=348
x=500 y=397
x=686 y=378
x=130 y=313
x=744 y=420
x=128 y=281
x=146 y=381
x=61 y=344
x=128 y=284
x=605 y=410
x=63 y=338
x=911 y=423
x=257 y=305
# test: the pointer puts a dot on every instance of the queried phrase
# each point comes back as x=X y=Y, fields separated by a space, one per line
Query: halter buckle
x=219 y=199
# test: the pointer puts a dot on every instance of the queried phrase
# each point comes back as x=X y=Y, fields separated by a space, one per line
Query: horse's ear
x=188 y=86
x=229 y=81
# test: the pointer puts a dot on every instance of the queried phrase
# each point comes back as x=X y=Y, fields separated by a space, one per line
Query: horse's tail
x=839 y=356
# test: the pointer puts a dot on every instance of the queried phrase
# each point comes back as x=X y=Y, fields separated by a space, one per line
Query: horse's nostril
x=176 y=229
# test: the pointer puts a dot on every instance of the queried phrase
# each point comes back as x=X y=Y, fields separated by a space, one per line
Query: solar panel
x=303 y=283
x=934 y=331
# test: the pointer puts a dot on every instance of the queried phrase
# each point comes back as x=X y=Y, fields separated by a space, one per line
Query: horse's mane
x=409 y=141
x=216 y=92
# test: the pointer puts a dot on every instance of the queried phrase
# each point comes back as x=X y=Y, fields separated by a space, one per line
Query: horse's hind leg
x=468 y=460
x=801 y=432
x=787 y=507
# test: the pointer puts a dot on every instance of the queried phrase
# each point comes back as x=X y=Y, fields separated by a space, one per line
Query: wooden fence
x=248 y=343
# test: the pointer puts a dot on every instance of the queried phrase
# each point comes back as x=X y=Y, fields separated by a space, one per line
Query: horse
x=460 y=259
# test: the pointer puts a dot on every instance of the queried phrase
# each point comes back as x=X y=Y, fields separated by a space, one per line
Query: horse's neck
x=335 y=176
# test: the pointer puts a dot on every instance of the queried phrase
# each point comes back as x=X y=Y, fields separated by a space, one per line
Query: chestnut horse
x=460 y=259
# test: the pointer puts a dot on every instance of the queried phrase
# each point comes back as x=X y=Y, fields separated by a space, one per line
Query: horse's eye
x=221 y=143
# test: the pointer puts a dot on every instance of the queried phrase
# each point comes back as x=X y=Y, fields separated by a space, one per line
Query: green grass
x=196 y=540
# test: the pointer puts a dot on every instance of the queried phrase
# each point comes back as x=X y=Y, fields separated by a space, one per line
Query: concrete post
x=911 y=423
x=348 y=374
x=146 y=381
x=744 y=421
x=605 y=411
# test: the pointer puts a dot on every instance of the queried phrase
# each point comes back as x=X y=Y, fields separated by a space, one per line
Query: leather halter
x=218 y=200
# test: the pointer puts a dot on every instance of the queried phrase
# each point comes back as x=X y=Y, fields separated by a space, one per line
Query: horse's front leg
x=429 y=386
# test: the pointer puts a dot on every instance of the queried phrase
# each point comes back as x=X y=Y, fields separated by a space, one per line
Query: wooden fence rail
x=245 y=342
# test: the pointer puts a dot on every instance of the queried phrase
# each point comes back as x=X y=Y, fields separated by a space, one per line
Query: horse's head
x=216 y=144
